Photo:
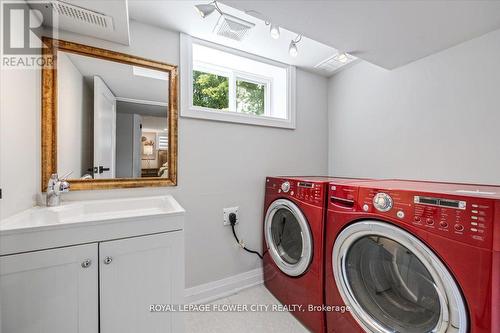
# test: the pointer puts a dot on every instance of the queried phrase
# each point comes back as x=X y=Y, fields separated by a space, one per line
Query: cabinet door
x=51 y=291
x=136 y=273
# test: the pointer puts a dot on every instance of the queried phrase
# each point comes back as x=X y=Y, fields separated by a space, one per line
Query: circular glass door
x=288 y=237
x=395 y=283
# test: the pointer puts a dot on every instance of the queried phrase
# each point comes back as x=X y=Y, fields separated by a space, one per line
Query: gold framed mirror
x=109 y=119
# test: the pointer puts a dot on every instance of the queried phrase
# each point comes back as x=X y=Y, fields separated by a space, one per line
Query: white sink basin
x=92 y=210
x=31 y=218
x=99 y=210
x=88 y=221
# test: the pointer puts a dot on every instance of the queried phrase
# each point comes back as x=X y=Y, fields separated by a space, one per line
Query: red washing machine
x=295 y=211
x=413 y=257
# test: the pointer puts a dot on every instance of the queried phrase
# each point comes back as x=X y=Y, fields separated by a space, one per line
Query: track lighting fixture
x=292 y=49
x=274 y=30
x=206 y=9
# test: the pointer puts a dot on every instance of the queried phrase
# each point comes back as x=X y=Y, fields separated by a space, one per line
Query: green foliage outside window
x=250 y=97
x=210 y=90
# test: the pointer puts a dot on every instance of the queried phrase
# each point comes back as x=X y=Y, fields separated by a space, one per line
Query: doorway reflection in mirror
x=112 y=119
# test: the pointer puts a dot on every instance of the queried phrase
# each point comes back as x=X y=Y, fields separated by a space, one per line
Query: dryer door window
x=288 y=237
x=394 y=283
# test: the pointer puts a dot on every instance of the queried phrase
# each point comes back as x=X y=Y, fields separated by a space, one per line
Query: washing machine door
x=393 y=282
x=288 y=237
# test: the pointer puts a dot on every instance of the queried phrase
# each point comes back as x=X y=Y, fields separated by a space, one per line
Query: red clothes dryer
x=413 y=257
x=295 y=211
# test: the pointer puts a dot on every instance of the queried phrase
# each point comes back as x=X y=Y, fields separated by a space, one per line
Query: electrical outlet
x=228 y=211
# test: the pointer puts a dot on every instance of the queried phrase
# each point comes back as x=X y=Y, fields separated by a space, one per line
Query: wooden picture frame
x=49 y=115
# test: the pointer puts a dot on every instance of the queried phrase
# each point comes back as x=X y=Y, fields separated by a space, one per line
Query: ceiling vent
x=232 y=27
x=334 y=63
x=83 y=15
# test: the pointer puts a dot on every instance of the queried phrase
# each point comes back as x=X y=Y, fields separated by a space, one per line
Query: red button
x=459 y=227
x=429 y=221
x=417 y=218
x=443 y=224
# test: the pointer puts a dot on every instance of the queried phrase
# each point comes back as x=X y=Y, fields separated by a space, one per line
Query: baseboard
x=211 y=291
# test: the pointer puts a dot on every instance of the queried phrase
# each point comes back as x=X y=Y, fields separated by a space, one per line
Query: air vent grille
x=328 y=65
x=335 y=62
x=232 y=27
x=83 y=15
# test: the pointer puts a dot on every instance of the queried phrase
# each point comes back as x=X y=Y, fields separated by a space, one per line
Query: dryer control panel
x=309 y=192
x=465 y=219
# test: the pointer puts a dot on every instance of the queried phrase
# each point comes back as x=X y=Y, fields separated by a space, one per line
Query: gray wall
x=128 y=141
x=20 y=105
x=435 y=119
x=220 y=164
x=75 y=103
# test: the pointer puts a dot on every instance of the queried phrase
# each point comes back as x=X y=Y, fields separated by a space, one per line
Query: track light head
x=292 y=49
x=274 y=30
x=205 y=10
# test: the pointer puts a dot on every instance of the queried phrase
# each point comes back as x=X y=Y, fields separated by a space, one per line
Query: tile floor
x=244 y=322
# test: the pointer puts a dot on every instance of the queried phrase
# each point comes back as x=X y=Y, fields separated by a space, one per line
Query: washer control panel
x=285 y=186
x=382 y=202
x=310 y=192
x=465 y=219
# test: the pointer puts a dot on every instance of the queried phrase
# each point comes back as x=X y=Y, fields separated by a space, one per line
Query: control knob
x=382 y=202
x=285 y=187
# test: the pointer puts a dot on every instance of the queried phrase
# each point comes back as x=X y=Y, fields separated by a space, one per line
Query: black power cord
x=232 y=220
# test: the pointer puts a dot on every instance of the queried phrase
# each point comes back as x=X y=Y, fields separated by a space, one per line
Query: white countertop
x=78 y=222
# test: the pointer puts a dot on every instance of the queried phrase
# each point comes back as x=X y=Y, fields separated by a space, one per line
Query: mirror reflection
x=112 y=119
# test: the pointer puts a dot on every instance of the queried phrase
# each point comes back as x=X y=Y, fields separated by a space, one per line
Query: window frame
x=190 y=111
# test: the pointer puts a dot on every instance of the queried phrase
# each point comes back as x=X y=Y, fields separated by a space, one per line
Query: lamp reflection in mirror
x=148 y=150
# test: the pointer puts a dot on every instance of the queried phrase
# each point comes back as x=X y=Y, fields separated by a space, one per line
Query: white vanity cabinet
x=93 y=266
x=135 y=273
x=50 y=291
x=71 y=289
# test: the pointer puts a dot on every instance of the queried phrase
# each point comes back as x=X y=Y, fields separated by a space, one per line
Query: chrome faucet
x=55 y=188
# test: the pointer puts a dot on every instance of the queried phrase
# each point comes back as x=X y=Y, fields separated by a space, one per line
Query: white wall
x=19 y=135
x=220 y=164
x=435 y=119
x=74 y=132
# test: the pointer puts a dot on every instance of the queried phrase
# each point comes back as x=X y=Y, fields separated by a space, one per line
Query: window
x=162 y=141
x=224 y=84
x=251 y=97
x=210 y=90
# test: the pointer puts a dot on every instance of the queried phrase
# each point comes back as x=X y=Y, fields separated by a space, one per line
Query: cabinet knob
x=86 y=263
x=108 y=260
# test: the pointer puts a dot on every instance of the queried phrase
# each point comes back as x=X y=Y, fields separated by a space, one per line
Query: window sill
x=235 y=117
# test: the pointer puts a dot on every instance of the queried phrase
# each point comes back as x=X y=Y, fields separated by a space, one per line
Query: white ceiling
x=182 y=16
x=121 y=80
x=155 y=124
x=387 y=33
x=384 y=32
x=142 y=109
